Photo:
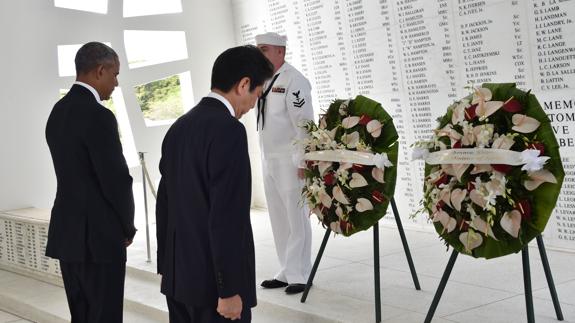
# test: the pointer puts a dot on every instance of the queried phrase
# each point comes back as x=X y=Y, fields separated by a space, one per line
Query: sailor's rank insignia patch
x=298 y=102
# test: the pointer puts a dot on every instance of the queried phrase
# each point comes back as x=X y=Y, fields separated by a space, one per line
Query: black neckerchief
x=262 y=103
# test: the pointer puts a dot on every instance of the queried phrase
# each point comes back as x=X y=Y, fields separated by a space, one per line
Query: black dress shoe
x=295 y=288
x=273 y=283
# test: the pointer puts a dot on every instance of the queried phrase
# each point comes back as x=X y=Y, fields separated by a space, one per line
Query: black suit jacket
x=205 y=241
x=93 y=212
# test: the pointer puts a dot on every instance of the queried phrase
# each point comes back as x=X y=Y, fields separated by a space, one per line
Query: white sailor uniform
x=287 y=105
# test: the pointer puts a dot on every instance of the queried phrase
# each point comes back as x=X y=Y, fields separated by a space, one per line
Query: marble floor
x=478 y=290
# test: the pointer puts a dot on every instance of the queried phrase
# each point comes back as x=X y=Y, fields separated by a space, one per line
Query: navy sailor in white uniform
x=283 y=107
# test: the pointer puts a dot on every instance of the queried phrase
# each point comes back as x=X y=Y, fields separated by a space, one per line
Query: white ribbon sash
x=475 y=156
x=350 y=156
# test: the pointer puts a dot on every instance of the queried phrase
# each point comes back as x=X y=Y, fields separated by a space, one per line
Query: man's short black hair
x=238 y=62
x=92 y=55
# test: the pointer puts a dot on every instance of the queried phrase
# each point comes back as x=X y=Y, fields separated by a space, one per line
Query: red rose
x=539 y=146
x=524 y=207
x=457 y=144
x=512 y=106
x=443 y=179
x=364 y=120
x=502 y=168
x=309 y=164
x=470 y=112
x=329 y=178
x=345 y=226
x=377 y=197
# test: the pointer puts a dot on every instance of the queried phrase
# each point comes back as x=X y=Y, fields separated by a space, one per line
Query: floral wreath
x=493 y=171
x=351 y=160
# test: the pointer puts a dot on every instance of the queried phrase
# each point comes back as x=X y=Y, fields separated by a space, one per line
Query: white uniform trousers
x=289 y=219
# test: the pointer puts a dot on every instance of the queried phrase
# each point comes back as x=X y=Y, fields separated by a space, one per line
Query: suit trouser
x=182 y=313
x=95 y=291
x=289 y=219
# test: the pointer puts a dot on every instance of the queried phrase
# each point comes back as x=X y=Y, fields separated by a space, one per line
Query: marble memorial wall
x=417 y=56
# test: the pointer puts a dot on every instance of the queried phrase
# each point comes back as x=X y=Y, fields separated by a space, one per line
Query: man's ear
x=99 y=71
x=243 y=86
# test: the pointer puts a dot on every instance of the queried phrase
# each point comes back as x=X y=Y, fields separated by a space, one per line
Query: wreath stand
x=526 y=282
x=375 y=261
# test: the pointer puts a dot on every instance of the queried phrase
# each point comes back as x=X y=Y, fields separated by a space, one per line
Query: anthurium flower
x=350 y=122
x=339 y=196
x=503 y=142
x=502 y=168
x=457 y=196
x=446 y=221
x=539 y=146
x=363 y=205
x=481 y=94
x=358 y=167
x=350 y=140
x=445 y=195
x=459 y=170
x=323 y=166
x=470 y=240
x=343 y=108
x=481 y=168
x=511 y=223
x=486 y=109
x=524 y=124
x=318 y=213
x=478 y=198
x=539 y=177
x=357 y=180
x=377 y=174
x=325 y=199
x=339 y=212
x=481 y=225
x=322 y=123
x=335 y=227
x=374 y=128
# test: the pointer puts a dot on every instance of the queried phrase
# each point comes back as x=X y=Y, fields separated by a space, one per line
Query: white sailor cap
x=271 y=39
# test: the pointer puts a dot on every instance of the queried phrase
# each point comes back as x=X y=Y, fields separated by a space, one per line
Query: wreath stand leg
x=405 y=245
x=376 y=269
x=549 y=277
x=526 y=282
x=441 y=286
x=376 y=276
x=315 y=265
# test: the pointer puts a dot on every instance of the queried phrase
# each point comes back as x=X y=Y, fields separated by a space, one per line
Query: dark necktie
x=262 y=103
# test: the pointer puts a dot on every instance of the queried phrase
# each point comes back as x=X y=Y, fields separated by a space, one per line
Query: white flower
x=419 y=153
x=468 y=137
x=335 y=227
x=458 y=115
x=483 y=134
x=511 y=223
x=343 y=108
x=378 y=174
x=381 y=161
x=532 y=160
x=339 y=195
x=481 y=94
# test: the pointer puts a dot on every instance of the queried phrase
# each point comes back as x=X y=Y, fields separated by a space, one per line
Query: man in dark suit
x=205 y=242
x=92 y=219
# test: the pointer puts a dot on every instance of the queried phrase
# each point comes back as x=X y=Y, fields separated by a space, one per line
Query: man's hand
x=300 y=173
x=128 y=242
x=231 y=307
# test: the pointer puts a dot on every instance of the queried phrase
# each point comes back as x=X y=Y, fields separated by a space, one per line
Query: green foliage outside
x=161 y=100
